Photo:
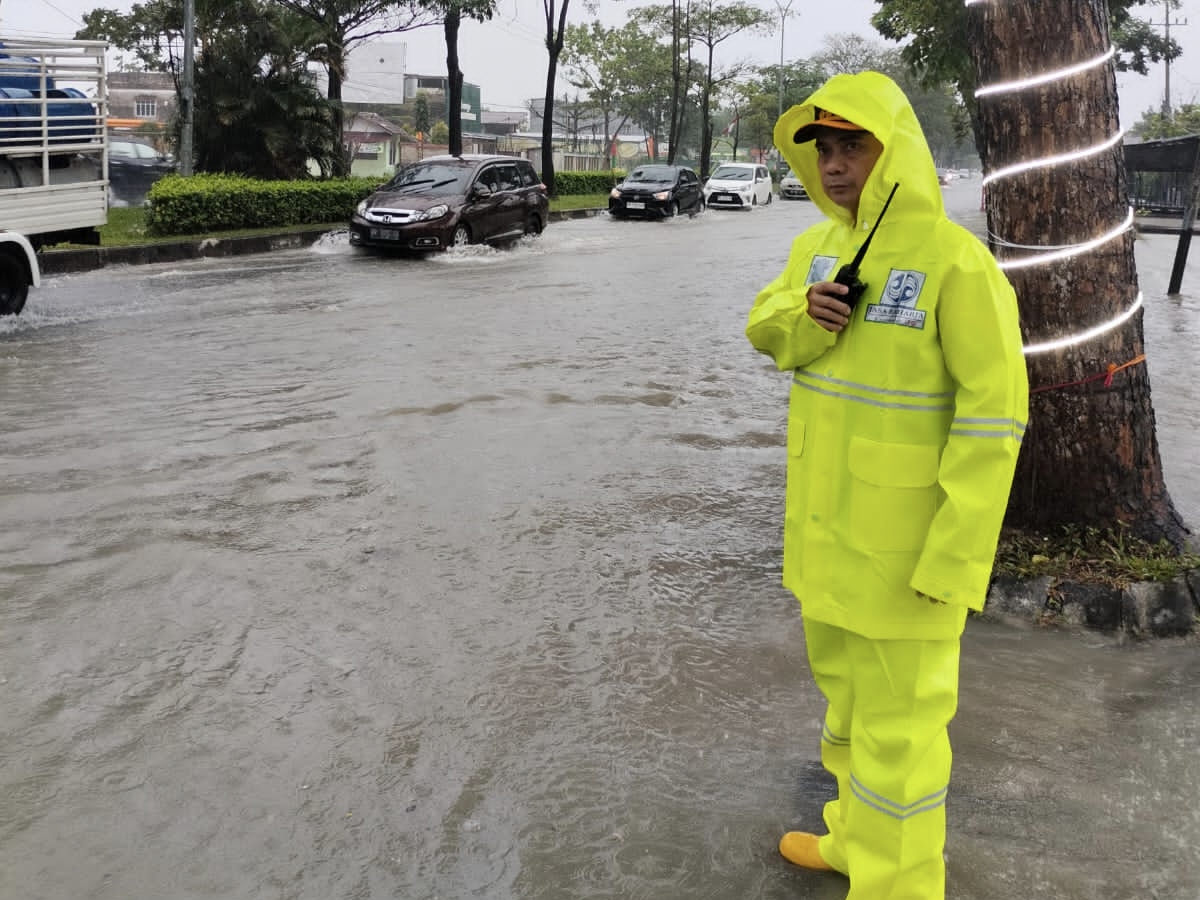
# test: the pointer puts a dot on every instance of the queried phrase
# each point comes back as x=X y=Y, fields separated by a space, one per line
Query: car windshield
x=421 y=177
x=652 y=173
x=729 y=173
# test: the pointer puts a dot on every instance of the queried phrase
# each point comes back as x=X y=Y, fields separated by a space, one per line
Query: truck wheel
x=14 y=286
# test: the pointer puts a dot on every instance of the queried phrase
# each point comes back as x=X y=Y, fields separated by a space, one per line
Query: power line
x=73 y=19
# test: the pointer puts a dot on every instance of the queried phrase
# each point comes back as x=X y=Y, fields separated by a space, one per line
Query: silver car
x=790 y=187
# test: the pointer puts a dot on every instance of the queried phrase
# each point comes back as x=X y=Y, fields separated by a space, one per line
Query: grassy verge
x=1090 y=556
x=127 y=225
x=579 y=201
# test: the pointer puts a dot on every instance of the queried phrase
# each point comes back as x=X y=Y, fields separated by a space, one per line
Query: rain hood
x=874 y=102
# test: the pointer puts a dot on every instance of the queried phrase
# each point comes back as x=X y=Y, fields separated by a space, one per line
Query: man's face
x=845 y=159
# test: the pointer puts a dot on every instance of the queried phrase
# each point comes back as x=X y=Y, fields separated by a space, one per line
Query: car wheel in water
x=14 y=288
x=533 y=225
x=461 y=236
x=770 y=197
x=673 y=209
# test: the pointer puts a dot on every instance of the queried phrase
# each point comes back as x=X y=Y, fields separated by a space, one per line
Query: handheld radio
x=848 y=274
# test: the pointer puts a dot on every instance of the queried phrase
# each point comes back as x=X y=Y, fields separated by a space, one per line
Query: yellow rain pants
x=885 y=741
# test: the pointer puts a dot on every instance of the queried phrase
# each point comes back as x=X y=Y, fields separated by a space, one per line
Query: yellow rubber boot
x=800 y=848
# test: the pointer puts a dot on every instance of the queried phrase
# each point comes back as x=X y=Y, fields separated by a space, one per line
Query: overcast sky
x=507 y=59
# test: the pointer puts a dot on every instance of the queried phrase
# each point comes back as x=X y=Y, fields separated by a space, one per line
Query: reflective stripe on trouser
x=885 y=741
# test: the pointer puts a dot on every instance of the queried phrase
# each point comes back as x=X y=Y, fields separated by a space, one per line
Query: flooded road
x=333 y=576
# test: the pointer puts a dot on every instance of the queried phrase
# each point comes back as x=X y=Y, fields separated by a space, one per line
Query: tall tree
x=339 y=25
x=676 y=20
x=713 y=24
x=422 y=121
x=259 y=114
x=556 y=28
x=707 y=24
x=1091 y=453
x=594 y=58
x=255 y=111
x=451 y=14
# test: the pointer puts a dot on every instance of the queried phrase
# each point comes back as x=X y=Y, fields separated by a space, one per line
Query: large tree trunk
x=554 y=46
x=454 y=78
x=677 y=90
x=1090 y=456
x=548 y=134
x=706 y=135
x=337 y=74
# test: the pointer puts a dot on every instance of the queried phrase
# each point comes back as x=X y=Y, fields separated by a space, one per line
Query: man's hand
x=826 y=307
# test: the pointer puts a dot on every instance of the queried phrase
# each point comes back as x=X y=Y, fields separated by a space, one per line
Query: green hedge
x=205 y=203
x=572 y=183
x=201 y=204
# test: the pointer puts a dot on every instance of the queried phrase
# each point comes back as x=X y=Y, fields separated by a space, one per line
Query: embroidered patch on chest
x=820 y=268
x=898 y=303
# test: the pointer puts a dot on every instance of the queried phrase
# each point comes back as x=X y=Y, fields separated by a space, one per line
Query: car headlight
x=663 y=195
x=434 y=212
x=361 y=209
x=615 y=194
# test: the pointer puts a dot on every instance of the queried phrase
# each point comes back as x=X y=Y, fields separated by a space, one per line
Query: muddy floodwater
x=326 y=575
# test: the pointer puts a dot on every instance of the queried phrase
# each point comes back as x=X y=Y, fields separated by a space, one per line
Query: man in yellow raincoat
x=906 y=415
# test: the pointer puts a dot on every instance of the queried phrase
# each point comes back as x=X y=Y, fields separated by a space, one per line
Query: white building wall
x=375 y=73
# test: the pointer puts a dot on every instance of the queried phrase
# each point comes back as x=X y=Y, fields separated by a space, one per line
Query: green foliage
x=422 y=121
x=934 y=35
x=202 y=204
x=1090 y=555
x=1154 y=125
x=205 y=204
x=439 y=133
x=573 y=183
x=257 y=113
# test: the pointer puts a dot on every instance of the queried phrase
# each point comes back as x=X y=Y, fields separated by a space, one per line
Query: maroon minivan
x=450 y=201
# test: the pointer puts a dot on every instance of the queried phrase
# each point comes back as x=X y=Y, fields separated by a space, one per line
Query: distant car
x=656 y=191
x=452 y=201
x=133 y=167
x=737 y=185
x=791 y=188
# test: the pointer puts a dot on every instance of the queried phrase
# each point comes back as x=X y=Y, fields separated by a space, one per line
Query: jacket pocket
x=795 y=436
x=893 y=493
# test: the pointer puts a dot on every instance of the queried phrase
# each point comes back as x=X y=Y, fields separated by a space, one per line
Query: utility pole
x=1166 y=24
x=187 y=89
x=784 y=10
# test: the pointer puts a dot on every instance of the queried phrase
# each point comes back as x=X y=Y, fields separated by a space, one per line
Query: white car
x=791 y=188
x=737 y=185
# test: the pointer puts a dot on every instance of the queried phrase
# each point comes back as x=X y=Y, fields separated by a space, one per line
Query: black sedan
x=133 y=167
x=656 y=191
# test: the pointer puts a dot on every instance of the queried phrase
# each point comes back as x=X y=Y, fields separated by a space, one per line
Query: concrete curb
x=59 y=262
x=1143 y=609
x=56 y=262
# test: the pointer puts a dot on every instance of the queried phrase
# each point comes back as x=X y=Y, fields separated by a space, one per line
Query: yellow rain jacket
x=903 y=428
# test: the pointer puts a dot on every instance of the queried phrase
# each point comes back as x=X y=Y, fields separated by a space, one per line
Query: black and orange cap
x=823 y=118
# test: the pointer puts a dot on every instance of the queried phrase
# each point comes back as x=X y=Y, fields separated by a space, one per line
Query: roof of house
x=373 y=122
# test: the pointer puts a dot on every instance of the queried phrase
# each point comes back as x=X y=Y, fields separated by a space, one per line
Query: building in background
x=142 y=104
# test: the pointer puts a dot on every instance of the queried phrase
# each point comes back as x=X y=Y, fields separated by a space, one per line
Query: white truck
x=53 y=154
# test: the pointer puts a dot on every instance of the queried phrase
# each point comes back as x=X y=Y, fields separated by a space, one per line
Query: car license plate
x=634 y=204
x=385 y=234
x=728 y=197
